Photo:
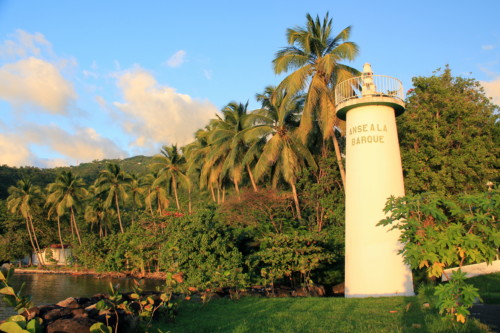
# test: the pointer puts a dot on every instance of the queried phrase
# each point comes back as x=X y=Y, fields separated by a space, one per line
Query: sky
x=92 y=80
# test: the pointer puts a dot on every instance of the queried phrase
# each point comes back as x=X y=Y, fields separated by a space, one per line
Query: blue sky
x=89 y=80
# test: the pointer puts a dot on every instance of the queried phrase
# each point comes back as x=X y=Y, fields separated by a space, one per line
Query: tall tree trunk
x=60 y=238
x=218 y=194
x=174 y=185
x=296 y=199
x=189 y=202
x=252 y=180
x=37 y=252
x=73 y=219
x=339 y=158
x=34 y=234
x=213 y=192
x=149 y=204
x=237 y=188
x=118 y=212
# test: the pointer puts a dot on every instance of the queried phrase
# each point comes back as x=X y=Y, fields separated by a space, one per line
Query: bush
x=203 y=250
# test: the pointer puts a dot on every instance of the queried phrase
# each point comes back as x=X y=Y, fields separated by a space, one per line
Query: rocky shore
x=156 y=275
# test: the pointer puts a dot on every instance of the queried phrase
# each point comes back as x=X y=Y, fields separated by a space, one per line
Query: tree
x=65 y=194
x=314 y=56
x=228 y=144
x=446 y=135
x=156 y=192
x=114 y=182
x=282 y=151
x=170 y=166
x=196 y=155
x=23 y=199
x=136 y=190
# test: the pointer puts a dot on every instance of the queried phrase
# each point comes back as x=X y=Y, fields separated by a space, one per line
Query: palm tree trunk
x=189 y=202
x=118 y=212
x=149 y=204
x=213 y=193
x=252 y=180
x=236 y=187
x=174 y=185
x=296 y=199
x=34 y=235
x=32 y=242
x=73 y=219
x=339 y=158
x=60 y=237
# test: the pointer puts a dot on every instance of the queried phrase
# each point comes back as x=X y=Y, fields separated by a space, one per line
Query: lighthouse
x=370 y=104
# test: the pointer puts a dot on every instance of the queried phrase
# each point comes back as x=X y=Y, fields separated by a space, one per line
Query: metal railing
x=368 y=85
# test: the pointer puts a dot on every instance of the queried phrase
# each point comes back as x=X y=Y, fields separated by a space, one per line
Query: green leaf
x=17 y=318
x=35 y=325
x=12 y=327
x=100 y=328
x=8 y=291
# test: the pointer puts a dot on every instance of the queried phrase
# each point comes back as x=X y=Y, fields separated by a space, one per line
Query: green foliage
x=291 y=257
x=22 y=304
x=443 y=232
x=456 y=297
x=261 y=213
x=446 y=135
x=204 y=250
x=439 y=232
x=322 y=195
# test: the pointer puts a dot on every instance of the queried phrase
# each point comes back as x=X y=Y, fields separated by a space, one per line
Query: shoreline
x=118 y=275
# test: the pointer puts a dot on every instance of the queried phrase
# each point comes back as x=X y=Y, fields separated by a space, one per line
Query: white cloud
x=492 y=89
x=176 y=59
x=24 y=44
x=487 y=47
x=14 y=152
x=64 y=147
x=83 y=145
x=157 y=114
x=33 y=81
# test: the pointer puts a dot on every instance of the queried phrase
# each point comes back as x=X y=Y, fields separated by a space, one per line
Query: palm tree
x=22 y=199
x=229 y=147
x=136 y=190
x=196 y=154
x=114 y=182
x=65 y=194
x=282 y=151
x=157 y=192
x=314 y=56
x=170 y=163
x=96 y=211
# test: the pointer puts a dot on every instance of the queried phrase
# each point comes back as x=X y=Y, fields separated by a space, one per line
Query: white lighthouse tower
x=370 y=104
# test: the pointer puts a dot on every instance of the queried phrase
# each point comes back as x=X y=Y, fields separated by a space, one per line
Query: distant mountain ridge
x=88 y=171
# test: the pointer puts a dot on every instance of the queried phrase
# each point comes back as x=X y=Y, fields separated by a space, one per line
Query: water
x=52 y=288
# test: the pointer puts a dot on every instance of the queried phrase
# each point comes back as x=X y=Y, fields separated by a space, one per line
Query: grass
x=310 y=314
x=259 y=314
x=489 y=287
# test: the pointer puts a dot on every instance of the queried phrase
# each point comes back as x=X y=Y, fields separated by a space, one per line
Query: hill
x=88 y=171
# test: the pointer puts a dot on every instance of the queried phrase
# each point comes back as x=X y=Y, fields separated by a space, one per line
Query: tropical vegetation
x=257 y=198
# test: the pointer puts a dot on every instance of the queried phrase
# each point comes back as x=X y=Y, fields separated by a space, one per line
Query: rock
x=57 y=313
x=79 y=313
x=339 y=289
x=73 y=325
x=317 y=290
x=69 y=302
